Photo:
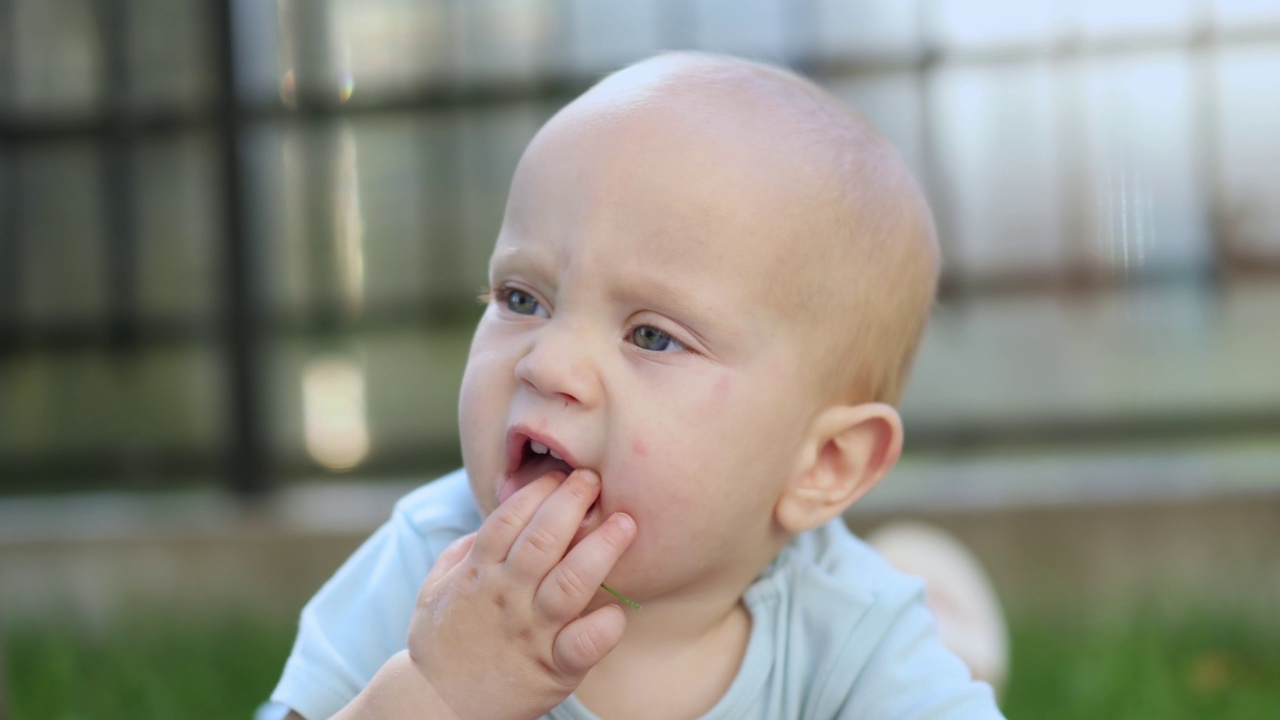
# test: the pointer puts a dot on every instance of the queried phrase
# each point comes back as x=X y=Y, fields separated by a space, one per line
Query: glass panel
x=1246 y=14
x=61 y=231
x=387 y=47
x=397 y=389
x=1248 y=150
x=178 y=227
x=492 y=143
x=353 y=215
x=505 y=40
x=996 y=138
x=342 y=50
x=1144 y=197
x=892 y=102
x=7 y=59
x=1158 y=349
x=880 y=29
x=56 y=57
x=413 y=387
x=1155 y=350
x=259 y=64
x=1108 y=19
x=274 y=215
x=62 y=403
x=398 y=171
x=178 y=395
x=995 y=24
x=605 y=36
x=169 y=46
x=160 y=400
x=307 y=61
x=755 y=28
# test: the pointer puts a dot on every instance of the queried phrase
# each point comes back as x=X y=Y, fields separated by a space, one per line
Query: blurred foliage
x=160 y=665
x=1149 y=664
x=144 y=665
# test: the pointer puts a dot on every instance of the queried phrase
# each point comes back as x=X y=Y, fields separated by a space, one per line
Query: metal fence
x=223 y=224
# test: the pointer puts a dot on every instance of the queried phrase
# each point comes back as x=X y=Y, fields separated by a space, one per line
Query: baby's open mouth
x=528 y=460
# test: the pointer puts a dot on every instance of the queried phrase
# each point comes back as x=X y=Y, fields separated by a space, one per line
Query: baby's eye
x=521 y=302
x=647 y=337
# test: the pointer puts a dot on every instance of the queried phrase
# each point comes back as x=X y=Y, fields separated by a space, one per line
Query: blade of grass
x=620 y=596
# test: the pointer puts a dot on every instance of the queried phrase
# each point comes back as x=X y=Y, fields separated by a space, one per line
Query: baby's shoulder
x=830 y=580
x=834 y=558
x=853 y=633
x=826 y=612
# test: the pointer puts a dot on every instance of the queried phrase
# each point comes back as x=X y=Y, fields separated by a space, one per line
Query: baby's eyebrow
x=505 y=258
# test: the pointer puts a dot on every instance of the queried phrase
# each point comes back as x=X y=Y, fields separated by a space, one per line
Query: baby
x=708 y=287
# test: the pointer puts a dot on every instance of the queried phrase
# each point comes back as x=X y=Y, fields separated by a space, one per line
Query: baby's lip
x=520 y=435
x=522 y=470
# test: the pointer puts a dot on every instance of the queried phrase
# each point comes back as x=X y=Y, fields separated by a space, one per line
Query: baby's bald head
x=833 y=226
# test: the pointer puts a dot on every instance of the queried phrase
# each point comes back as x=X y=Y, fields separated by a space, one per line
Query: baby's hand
x=497 y=631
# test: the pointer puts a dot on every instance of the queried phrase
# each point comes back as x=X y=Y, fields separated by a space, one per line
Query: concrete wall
x=1078 y=559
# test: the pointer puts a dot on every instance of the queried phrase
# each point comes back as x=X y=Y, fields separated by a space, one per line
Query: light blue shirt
x=835 y=631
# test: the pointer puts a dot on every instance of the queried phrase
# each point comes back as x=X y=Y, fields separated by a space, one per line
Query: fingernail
x=589 y=477
x=625 y=521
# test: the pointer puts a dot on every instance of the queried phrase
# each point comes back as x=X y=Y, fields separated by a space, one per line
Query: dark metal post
x=118 y=179
x=319 y=140
x=10 y=202
x=9 y=256
x=246 y=452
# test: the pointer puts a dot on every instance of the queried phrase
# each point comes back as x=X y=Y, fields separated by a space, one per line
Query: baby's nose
x=561 y=363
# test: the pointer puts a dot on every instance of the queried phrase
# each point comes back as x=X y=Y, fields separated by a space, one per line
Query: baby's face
x=639 y=326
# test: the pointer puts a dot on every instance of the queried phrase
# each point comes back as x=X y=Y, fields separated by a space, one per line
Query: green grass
x=1149 y=665
x=158 y=665
x=144 y=666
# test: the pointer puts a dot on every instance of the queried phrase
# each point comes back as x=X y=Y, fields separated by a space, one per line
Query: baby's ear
x=848 y=451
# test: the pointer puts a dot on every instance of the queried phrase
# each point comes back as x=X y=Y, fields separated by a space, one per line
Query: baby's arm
x=496 y=632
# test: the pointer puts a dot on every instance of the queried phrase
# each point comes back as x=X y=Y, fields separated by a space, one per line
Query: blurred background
x=240 y=242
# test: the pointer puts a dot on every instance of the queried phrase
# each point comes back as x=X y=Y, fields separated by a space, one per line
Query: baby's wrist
x=422 y=697
x=399 y=691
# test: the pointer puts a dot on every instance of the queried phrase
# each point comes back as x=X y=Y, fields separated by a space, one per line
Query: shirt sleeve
x=357 y=620
x=910 y=675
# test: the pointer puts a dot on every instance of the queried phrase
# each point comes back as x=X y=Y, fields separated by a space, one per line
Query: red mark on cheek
x=639 y=447
x=720 y=391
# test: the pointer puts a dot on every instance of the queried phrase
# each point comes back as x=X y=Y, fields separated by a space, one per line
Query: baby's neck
x=682 y=655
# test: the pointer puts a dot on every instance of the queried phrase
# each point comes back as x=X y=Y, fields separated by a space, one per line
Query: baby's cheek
x=639 y=448
x=720 y=391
